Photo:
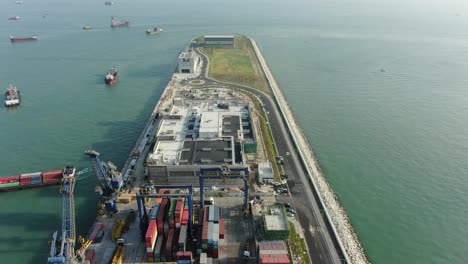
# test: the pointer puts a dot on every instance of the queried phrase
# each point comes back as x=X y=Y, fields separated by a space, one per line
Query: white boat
x=12 y=96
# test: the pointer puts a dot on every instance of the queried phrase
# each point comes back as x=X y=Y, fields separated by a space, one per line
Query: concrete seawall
x=342 y=228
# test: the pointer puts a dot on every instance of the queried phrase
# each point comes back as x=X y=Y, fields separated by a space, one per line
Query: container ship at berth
x=115 y=23
x=33 y=180
x=13 y=39
x=12 y=96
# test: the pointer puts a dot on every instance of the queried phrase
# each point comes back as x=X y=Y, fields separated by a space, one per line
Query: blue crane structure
x=142 y=212
x=109 y=178
x=62 y=249
x=224 y=172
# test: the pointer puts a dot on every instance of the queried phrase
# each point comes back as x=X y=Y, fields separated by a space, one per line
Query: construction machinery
x=110 y=181
x=62 y=249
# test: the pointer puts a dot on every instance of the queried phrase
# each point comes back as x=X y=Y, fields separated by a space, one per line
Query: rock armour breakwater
x=343 y=228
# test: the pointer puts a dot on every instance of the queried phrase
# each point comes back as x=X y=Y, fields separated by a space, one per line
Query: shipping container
x=169 y=244
x=54 y=174
x=184 y=255
x=161 y=216
x=274 y=259
x=90 y=253
x=154 y=211
x=182 y=238
x=86 y=261
x=158 y=247
x=9 y=179
x=99 y=236
x=184 y=261
x=9 y=185
x=211 y=213
x=151 y=234
x=221 y=228
x=203 y=258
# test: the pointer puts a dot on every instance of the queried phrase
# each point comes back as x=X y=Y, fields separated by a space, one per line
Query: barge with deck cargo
x=31 y=180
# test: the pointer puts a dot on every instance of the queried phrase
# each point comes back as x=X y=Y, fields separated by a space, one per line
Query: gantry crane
x=110 y=179
x=141 y=197
x=224 y=172
x=62 y=249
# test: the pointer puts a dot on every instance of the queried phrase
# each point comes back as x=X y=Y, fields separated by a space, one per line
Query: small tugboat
x=112 y=76
x=33 y=38
x=115 y=23
x=87 y=27
x=109 y=3
x=19 y=2
x=14 y=18
x=154 y=31
x=12 y=96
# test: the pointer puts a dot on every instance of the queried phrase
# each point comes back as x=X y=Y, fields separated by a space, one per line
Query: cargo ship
x=12 y=96
x=14 y=18
x=115 y=23
x=153 y=31
x=13 y=39
x=112 y=76
x=34 y=180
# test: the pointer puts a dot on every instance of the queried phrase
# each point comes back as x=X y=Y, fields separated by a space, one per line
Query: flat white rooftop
x=275 y=222
x=193 y=117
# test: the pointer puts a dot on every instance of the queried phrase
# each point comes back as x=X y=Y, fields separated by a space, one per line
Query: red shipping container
x=25 y=181
x=221 y=228
x=151 y=234
x=274 y=259
x=169 y=242
x=184 y=255
x=54 y=174
x=90 y=253
x=9 y=179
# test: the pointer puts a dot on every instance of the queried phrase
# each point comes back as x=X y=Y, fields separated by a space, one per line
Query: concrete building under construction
x=196 y=134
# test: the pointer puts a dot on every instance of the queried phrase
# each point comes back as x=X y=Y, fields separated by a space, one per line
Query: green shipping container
x=8 y=185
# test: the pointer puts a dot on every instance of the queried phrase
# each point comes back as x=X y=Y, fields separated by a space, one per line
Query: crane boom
x=62 y=249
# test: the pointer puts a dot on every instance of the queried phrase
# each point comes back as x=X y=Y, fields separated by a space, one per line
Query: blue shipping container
x=154 y=211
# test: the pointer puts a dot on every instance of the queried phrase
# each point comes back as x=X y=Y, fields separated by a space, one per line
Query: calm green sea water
x=381 y=89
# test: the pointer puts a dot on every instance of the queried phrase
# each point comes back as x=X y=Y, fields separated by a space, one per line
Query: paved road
x=321 y=245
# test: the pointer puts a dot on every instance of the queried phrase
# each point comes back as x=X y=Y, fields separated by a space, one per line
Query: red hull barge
x=30 y=180
x=13 y=39
x=116 y=24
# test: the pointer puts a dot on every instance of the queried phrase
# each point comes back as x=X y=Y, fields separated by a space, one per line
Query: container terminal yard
x=198 y=187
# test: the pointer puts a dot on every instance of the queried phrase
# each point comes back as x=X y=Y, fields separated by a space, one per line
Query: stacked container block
x=273 y=252
x=211 y=231
x=171 y=217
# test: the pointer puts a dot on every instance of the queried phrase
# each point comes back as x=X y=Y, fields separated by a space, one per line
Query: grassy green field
x=237 y=65
x=297 y=245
